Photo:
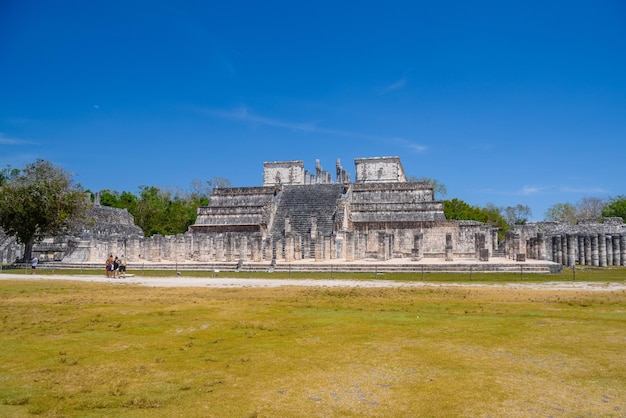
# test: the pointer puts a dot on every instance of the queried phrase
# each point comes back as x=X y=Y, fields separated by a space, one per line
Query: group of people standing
x=115 y=267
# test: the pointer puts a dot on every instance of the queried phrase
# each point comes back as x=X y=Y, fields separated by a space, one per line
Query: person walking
x=116 y=265
x=122 y=267
x=33 y=264
x=109 y=265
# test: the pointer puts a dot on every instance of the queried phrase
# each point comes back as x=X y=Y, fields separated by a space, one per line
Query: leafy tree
x=162 y=211
x=109 y=198
x=459 y=210
x=561 y=212
x=616 y=207
x=39 y=201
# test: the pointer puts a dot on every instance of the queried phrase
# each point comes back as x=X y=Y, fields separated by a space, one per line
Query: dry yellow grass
x=81 y=349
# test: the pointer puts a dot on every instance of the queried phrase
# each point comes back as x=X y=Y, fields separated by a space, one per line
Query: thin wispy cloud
x=5 y=140
x=399 y=84
x=243 y=114
x=530 y=190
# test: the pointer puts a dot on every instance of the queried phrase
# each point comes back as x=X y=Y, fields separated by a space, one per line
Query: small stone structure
x=587 y=243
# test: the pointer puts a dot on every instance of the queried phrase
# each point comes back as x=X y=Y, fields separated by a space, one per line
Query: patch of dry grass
x=84 y=349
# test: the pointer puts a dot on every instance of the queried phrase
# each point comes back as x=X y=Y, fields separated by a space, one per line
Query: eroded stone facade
x=300 y=215
x=380 y=216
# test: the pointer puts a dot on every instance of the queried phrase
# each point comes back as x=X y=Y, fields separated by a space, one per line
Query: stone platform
x=427 y=265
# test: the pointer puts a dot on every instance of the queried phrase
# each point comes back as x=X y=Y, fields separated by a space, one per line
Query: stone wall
x=283 y=172
x=379 y=170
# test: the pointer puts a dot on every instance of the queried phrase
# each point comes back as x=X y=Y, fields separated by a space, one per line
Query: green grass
x=93 y=350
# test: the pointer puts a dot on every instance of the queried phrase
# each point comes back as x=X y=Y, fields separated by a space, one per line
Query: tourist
x=109 y=265
x=33 y=264
x=122 y=267
x=116 y=264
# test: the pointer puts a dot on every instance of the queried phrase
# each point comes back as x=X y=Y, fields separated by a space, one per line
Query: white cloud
x=528 y=190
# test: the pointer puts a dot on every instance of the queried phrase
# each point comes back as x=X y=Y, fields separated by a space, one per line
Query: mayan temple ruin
x=299 y=215
x=302 y=217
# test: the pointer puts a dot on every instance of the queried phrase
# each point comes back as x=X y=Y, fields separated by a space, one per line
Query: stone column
x=479 y=244
x=266 y=249
x=133 y=248
x=559 y=249
x=571 y=250
x=297 y=247
x=602 y=250
x=364 y=244
x=622 y=241
x=339 y=249
x=382 y=246
x=319 y=247
x=306 y=246
x=617 y=254
x=350 y=250
x=449 y=249
x=595 y=261
x=327 y=250
x=609 y=250
x=587 y=249
x=541 y=247
x=289 y=256
x=287 y=225
x=256 y=249
x=494 y=240
x=581 y=250
x=417 y=253
x=313 y=227
x=219 y=248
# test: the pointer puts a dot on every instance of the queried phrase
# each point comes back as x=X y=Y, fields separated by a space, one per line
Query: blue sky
x=504 y=102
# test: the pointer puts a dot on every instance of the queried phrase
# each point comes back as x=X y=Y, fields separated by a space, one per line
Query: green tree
x=615 y=207
x=38 y=201
x=561 y=212
x=162 y=211
x=459 y=210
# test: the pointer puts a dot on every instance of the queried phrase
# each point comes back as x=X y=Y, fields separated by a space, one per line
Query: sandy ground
x=225 y=282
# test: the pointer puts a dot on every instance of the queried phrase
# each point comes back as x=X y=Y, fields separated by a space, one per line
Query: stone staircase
x=301 y=203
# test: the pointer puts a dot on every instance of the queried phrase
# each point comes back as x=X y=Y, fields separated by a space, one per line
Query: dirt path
x=225 y=282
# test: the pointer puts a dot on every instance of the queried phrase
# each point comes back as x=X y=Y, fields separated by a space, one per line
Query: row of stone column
x=585 y=249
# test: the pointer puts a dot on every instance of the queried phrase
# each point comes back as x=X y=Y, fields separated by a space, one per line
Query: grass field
x=95 y=350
